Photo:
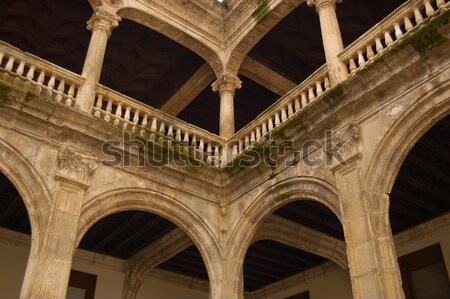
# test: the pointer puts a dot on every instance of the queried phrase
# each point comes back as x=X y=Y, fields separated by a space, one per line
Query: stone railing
x=152 y=124
x=37 y=75
x=286 y=107
x=385 y=34
x=59 y=85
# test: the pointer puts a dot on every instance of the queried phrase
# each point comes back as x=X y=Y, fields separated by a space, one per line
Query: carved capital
x=74 y=167
x=344 y=147
x=322 y=3
x=226 y=82
x=104 y=20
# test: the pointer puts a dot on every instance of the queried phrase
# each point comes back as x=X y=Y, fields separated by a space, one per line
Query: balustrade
x=388 y=32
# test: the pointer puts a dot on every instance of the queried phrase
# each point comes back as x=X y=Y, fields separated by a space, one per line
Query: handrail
x=60 y=85
x=47 y=78
x=385 y=34
x=283 y=109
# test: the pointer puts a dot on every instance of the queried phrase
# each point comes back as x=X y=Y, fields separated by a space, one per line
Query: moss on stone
x=5 y=97
x=261 y=12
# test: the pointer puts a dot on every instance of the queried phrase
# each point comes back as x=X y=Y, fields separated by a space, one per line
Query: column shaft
x=331 y=37
x=101 y=25
x=370 y=248
x=49 y=263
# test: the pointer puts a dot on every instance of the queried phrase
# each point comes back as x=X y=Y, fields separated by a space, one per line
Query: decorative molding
x=226 y=82
x=344 y=147
x=74 y=167
x=104 y=20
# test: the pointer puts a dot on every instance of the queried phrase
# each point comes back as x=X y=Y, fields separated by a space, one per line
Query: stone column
x=331 y=36
x=231 y=282
x=49 y=264
x=372 y=260
x=101 y=24
x=226 y=84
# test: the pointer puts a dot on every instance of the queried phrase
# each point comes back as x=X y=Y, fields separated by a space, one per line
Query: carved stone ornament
x=75 y=167
x=321 y=3
x=104 y=20
x=223 y=209
x=226 y=82
x=345 y=146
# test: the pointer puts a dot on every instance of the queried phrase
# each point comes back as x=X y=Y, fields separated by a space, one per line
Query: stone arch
x=280 y=9
x=403 y=135
x=282 y=193
x=124 y=199
x=30 y=185
x=158 y=23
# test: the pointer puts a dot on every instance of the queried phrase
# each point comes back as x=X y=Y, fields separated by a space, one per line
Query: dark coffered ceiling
x=149 y=67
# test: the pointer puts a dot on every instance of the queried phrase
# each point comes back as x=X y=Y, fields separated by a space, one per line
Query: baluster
x=387 y=38
x=10 y=63
x=277 y=119
x=327 y=83
x=21 y=68
x=378 y=45
x=264 y=128
x=127 y=118
x=290 y=109
x=30 y=73
x=170 y=132
x=40 y=82
x=361 y=60
x=408 y=24
x=311 y=95
x=216 y=156
x=61 y=88
x=107 y=117
x=252 y=137
x=162 y=129
x=241 y=146
x=297 y=105
x=154 y=125
x=178 y=135
x=135 y=121
x=50 y=85
x=118 y=114
x=398 y=31
x=209 y=153
x=370 y=53
x=429 y=10
x=319 y=89
x=201 y=149
x=194 y=141
x=246 y=141
x=283 y=114
x=258 y=133
x=144 y=125
x=98 y=105
x=418 y=16
x=270 y=124
x=352 y=65
x=304 y=99
x=186 y=138
x=440 y=3
x=235 y=151
x=70 y=94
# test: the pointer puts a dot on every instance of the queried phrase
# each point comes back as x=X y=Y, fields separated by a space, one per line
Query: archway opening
x=152 y=257
x=15 y=239
x=420 y=214
x=300 y=242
